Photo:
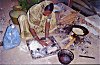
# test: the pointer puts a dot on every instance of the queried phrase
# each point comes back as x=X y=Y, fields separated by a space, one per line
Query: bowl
x=65 y=56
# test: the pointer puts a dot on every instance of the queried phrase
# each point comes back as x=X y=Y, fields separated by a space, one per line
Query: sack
x=11 y=38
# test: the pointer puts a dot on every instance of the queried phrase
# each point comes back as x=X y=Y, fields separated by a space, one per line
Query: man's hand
x=43 y=42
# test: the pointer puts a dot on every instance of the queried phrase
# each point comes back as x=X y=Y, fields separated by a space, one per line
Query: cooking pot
x=65 y=56
x=15 y=13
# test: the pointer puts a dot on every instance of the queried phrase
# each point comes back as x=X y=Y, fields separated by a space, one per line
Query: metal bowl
x=65 y=56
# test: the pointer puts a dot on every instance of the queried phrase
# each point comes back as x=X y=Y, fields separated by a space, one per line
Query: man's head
x=48 y=9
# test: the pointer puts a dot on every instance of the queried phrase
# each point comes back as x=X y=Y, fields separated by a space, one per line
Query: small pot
x=65 y=56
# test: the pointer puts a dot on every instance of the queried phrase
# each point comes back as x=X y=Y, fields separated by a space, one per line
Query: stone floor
x=21 y=54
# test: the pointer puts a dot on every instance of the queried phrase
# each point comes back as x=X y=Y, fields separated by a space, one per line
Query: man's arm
x=36 y=37
x=34 y=34
x=47 y=27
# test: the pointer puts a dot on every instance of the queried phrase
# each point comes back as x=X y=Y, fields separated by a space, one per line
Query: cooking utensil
x=65 y=56
x=85 y=30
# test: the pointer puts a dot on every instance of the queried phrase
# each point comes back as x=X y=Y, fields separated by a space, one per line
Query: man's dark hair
x=49 y=7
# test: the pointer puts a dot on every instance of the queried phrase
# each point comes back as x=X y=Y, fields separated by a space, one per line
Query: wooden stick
x=87 y=56
x=70 y=43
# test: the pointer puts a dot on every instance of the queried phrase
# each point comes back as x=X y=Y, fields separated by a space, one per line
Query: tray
x=44 y=51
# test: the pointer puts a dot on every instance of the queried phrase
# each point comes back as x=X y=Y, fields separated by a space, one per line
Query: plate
x=79 y=30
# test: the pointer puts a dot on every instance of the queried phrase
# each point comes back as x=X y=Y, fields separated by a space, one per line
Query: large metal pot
x=15 y=13
x=65 y=56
